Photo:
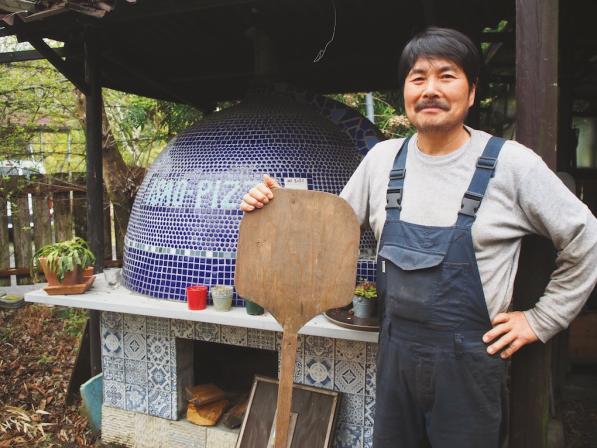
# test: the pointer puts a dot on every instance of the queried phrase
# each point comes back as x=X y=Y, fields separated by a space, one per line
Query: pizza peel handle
x=297 y=258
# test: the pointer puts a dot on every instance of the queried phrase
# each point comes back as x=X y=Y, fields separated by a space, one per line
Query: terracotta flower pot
x=73 y=277
x=88 y=272
x=50 y=276
x=70 y=278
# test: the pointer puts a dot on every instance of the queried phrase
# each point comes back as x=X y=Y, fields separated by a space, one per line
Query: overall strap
x=476 y=190
x=396 y=184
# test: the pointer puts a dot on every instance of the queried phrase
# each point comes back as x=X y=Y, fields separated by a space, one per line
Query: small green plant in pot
x=63 y=262
x=364 y=301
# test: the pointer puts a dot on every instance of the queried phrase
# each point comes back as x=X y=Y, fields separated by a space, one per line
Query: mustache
x=431 y=103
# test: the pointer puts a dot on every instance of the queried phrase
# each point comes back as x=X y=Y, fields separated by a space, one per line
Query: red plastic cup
x=197 y=297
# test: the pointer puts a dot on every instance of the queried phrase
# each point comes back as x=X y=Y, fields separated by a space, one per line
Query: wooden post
x=4 y=242
x=107 y=232
x=119 y=238
x=536 y=127
x=63 y=222
x=22 y=236
x=537 y=76
x=80 y=217
x=42 y=229
x=95 y=190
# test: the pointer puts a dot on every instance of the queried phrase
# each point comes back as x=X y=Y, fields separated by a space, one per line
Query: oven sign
x=204 y=193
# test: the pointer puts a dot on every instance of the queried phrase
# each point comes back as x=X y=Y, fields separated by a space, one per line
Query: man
x=449 y=207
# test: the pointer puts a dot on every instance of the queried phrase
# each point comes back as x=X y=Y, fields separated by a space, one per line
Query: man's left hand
x=511 y=332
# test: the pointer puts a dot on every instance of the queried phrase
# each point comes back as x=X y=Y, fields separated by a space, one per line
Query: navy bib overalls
x=435 y=380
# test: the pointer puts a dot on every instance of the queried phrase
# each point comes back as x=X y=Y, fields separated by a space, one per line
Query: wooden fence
x=45 y=209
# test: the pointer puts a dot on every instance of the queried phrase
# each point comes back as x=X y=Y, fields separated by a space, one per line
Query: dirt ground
x=38 y=347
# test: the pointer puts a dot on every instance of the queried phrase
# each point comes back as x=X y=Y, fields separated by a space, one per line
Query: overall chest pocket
x=411 y=280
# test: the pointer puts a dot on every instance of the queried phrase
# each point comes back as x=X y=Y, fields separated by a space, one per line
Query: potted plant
x=64 y=262
x=364 y=301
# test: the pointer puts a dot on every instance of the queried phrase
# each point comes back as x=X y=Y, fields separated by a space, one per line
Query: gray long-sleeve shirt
x=524 y=197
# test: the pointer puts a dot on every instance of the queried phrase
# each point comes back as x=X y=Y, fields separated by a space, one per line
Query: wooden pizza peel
x=297 y=258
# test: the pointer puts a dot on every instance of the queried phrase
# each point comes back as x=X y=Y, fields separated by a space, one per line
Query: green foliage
x=45 y=359
x=387 y=108
x=62 y=257
x=40 y=118
x=365 y=289
x=74 y=320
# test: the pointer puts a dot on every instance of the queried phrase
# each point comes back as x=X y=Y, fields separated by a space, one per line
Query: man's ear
x=471 y=94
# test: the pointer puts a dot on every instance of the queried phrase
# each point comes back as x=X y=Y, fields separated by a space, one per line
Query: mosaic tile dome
x=184 y=223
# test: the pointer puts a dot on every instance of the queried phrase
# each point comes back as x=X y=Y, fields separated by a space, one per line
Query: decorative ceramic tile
x=350 y=350
x=159 y=377
x=233 y=335
x=173 y=353
x=114 y=394
x=133 y=323
x=319 y=346
x=160 y=404
x=113 y=368
x=349 y=376
x=158 y=326
x=181 y=328
x=262 y=339
x=368 y=438
x=371 y=353
x=173 y=378
x=135 y=372
x=370 y=378
x=205 y=331
x=136 y=398
x=319 y=372
x=299 y=371
x=112 y=344
x=135 y=346
x=369 y=411
x=349 y=436
x=352 y=409
x=300 y=343
x=111 y=321
x=174 y=406
x=158 y=349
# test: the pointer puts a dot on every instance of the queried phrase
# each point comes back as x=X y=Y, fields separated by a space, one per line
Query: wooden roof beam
x=26 y=55
x=125 y=11
x=54 y=58
x=152 y=83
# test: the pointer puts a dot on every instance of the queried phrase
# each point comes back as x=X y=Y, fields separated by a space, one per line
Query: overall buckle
x=394 y=198
x=487 y=163
x=470 y=203
x=397 y=174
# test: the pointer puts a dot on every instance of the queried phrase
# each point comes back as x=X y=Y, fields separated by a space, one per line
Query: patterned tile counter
x=146 y=358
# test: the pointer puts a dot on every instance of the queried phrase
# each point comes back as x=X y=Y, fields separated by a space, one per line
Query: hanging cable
x=321 y=53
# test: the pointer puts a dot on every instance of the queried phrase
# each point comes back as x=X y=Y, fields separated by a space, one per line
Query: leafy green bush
x=368 y=290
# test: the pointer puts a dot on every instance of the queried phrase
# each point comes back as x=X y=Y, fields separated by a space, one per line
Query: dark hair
x=441 y=43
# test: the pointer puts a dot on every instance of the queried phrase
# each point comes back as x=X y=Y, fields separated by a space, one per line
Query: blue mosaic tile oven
x=184 y=223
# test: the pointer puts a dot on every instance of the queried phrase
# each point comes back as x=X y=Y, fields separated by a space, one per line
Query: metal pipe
x=370 y=109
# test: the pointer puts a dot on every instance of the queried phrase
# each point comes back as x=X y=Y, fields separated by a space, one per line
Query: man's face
x=437 y=95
